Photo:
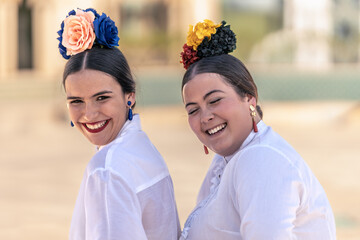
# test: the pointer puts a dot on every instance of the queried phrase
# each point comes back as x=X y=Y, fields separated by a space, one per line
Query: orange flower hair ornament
x=207 y=39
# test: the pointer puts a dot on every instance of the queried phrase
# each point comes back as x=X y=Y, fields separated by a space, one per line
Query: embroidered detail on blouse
x=218 y=171
x=215 y=181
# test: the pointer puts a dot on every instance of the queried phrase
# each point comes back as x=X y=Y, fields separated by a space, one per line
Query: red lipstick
x=97 y=129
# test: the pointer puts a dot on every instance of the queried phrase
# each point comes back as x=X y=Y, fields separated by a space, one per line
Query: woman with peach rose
x=126 y=192
x=257 y=187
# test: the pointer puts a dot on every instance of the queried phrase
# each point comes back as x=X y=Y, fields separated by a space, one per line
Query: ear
x=251 y=100
x=130 y=97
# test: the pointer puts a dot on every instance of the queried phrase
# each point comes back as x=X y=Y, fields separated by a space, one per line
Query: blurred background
x=304 y=56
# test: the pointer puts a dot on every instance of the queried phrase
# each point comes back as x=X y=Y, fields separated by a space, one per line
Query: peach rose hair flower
x=79 y=32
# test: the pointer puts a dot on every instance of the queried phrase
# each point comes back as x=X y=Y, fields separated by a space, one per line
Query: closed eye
x=192 y=111
x=215 y=100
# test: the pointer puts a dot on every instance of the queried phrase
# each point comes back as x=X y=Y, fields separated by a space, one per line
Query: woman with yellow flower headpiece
x=257 y=187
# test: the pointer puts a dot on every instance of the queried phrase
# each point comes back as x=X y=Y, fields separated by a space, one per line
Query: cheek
x=115 y=110
x=73 y=113
x=194 y=124
x=118 y=110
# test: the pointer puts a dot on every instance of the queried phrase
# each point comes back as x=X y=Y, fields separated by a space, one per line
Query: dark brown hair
x=110 y=61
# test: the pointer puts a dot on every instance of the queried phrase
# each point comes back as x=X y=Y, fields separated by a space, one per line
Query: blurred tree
x=252 y=21
x=346 y=31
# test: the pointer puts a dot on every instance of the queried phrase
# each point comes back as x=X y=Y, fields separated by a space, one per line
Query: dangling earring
x=206 y=150
x=130 y=115
x=71 y=124
x=253 y=115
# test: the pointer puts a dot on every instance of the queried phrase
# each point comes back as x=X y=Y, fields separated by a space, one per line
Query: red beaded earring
x=206 y=150
x=253 y=115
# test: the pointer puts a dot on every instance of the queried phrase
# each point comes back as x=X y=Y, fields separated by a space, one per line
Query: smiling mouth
x=216 y=129
x=96 y=127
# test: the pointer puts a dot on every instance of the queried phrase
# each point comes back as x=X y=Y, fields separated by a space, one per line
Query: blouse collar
x=134 y=124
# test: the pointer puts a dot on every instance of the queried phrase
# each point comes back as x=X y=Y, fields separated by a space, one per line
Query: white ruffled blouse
x=126 y=192
x=264 y=191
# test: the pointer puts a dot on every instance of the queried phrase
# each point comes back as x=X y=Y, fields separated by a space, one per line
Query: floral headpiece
x=82 y=29
x=207 y=39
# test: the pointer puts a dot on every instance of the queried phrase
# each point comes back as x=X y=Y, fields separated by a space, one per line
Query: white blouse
x=126 y=192
x=264 y=191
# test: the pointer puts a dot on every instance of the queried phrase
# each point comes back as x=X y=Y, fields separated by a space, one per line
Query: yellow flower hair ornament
x=207 y=39
x=201 y=30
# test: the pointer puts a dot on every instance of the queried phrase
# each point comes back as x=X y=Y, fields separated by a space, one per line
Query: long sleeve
x=112 y=210
x=159 y=213
x=269 y=194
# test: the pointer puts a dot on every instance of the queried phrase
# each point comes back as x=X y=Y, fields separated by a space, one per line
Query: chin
x=224 y=151
x=97 y=142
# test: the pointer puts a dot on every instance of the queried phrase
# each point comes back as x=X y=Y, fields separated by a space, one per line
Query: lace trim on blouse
x=215 y=181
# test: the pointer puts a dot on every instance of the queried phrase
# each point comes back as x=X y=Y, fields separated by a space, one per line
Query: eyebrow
x=95 y=95
x=205 y=96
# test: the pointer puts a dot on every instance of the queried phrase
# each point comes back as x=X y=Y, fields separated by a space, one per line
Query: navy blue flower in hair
x=106 y=31
x=222 y=42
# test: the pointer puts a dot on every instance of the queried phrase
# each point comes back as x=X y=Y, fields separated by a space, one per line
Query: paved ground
x=42 y=160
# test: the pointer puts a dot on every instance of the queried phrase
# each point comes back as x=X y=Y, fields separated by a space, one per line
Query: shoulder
x=135 y=149
x=263 y=171
x=105 y=175
x=125 y=150
x=134 y=159
x=262 y=163
x=268 y=150
x=264 y=155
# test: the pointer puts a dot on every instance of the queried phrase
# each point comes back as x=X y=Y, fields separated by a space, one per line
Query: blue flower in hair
x=106 y=32
x=62 y=49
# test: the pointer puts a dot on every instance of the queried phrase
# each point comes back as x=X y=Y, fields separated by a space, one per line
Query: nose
x=206 y=115
x=90 y=112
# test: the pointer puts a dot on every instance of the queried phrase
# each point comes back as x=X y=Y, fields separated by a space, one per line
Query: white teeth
x=216 y=129
x=96 y=126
